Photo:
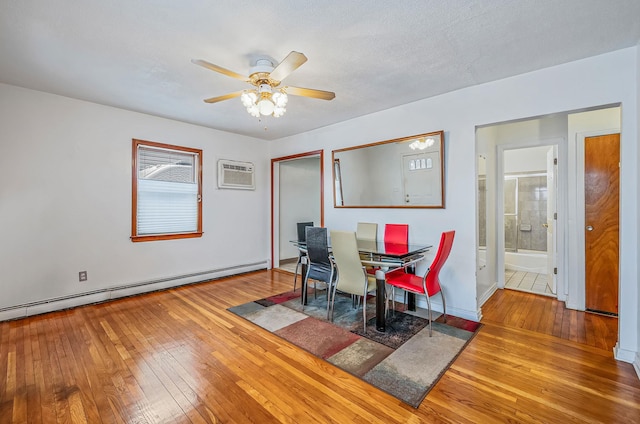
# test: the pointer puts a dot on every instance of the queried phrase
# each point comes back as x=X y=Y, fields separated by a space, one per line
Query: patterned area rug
x=404 y=361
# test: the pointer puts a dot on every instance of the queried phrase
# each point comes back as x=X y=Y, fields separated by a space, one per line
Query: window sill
x=156 y=237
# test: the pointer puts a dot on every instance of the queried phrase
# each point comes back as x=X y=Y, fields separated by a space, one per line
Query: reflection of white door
x=551 y=222
x=421 y=178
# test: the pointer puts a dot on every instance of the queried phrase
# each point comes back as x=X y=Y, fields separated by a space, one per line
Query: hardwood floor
x=178 y=356
x=548 y=316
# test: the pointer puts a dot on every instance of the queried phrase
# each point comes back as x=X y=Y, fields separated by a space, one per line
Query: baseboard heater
x=596 y=311
x=110 y=293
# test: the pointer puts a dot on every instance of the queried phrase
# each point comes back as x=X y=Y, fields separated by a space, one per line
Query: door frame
x=561 y=208
x=580 y=274
x=552 y=207
x=275 y=196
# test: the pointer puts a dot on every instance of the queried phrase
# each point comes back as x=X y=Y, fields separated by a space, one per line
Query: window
x=167 y=192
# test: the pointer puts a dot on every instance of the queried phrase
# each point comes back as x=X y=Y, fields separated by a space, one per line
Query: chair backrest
x=432 y=279
x=351 y=276
x=396 y=233
x=317 y=245
x=302 y=230
x=367 y=231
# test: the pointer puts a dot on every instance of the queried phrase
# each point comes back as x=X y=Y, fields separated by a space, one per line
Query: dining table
x=387 y=257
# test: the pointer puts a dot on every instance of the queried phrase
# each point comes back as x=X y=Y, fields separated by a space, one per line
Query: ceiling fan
x=268 y=97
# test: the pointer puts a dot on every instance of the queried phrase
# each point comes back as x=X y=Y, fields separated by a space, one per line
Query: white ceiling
x=374 y=54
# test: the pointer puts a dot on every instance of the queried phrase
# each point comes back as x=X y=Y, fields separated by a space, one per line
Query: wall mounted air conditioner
x=236 y=175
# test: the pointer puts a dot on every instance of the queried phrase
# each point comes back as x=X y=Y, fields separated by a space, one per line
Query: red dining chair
x=396 y=238
x=396 y=233
x=429 y=284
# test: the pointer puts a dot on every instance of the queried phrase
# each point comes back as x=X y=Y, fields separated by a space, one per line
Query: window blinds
x=167 y=191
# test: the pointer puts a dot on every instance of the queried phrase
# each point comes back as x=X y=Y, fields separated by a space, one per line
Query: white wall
x=525 y=160
x=637 y=119
x=65 y=200
x=600 y=80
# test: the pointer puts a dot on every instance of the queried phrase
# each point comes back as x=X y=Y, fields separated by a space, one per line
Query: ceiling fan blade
x=288 y=65
x=225 y=97
x=309 y=92
x=219 y=69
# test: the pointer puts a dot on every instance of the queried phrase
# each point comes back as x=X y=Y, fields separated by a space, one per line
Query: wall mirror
x=401 y=173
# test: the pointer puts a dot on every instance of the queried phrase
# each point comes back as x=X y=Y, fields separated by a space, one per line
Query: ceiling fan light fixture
x=262 y=102
x=278 y=111
x=248 y=99
x=280 y=99
x=266 y=106
x=422 y=143
x=254 y=111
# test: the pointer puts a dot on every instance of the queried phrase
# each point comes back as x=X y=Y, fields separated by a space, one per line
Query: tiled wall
x=524 y=228
x=532 y=214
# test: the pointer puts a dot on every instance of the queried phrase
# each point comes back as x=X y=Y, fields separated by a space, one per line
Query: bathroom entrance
x=507 y=237
x=529 y=194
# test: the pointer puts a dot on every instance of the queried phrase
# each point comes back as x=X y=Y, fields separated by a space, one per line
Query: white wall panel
x=65 y=199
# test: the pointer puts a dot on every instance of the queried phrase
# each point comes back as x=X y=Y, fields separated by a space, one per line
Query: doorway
x=296 y=196
x=567 y=130
x=529 y=199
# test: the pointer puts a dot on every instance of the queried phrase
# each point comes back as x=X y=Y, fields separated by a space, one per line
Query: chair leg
x=330 y=300
x=444 y=306
x=333 y=301
x=364 y=311
x=393 y=301
x=430 y=315
x=305 y=286
x=329 y=307
x=386 y=303
x=295 y=276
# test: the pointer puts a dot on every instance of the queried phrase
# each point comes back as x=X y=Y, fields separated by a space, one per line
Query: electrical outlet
x=82 y=276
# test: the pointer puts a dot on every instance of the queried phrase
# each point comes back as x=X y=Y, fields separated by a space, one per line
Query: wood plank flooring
x=178 y=356
x=549 y=316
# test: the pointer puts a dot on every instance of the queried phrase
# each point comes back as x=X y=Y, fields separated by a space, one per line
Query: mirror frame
x=409 y=139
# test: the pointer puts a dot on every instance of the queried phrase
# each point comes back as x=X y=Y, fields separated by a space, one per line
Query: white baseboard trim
x=572 y=305
x=488 y=294
x=421 y=303
x=106 y=294
x=626 y=355
x=636 y=364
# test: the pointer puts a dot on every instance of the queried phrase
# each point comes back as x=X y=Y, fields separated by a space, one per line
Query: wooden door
x=601 y=185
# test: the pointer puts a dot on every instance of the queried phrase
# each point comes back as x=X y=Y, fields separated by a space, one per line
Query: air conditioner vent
x=236 y=175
